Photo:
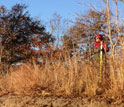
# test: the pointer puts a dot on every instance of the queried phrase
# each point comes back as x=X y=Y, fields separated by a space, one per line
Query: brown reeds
x=68 y=78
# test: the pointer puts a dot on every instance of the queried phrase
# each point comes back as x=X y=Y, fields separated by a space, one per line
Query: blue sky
x=45 y=8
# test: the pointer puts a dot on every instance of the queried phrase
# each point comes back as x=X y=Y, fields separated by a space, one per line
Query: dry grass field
x=63 y=84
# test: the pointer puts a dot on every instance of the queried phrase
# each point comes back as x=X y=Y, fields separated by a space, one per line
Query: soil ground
x=51 y=101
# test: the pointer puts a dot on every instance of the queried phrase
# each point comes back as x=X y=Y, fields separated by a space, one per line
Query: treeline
x=23 y=38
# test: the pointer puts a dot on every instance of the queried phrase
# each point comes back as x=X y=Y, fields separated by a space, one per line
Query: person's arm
x=105 y=47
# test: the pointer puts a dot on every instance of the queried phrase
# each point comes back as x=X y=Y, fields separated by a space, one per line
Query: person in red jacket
x=97 y=48
x=99 y=41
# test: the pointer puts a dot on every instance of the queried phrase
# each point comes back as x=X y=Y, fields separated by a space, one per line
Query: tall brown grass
x=69 y=78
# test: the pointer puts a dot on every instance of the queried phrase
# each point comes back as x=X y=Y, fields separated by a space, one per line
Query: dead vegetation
x=70 y=79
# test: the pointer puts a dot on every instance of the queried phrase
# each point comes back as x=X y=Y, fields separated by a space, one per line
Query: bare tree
x=118 y=27
x=58 y=27
x=80 y=36
x=108 y=16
